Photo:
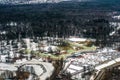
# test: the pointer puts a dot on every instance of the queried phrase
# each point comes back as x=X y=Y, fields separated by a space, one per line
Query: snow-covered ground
x=116 y=17
x=29 y=1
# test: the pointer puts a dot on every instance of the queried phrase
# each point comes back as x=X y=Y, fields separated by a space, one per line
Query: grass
x=69 y=52
x=69 y=49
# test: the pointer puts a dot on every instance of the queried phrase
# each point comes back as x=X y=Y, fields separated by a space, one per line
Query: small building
x=51 y=48
x=77 y=39
x=7 y=71
x=81 y=40
x=27 y=42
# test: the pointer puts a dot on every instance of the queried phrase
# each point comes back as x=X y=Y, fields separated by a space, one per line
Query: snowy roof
x=77 y=39
x=53 y=48
x=4 y=66
x=75 y=67
x=38 y=70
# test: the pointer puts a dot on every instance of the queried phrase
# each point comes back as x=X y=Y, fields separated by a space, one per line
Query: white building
x=27 y=42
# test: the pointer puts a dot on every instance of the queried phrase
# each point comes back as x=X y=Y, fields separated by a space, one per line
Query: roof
x=77 y=39
x=4 y=66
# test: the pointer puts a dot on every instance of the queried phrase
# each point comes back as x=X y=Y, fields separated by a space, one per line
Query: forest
x=65 y=19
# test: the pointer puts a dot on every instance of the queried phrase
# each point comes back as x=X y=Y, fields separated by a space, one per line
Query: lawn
x=69 y=51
